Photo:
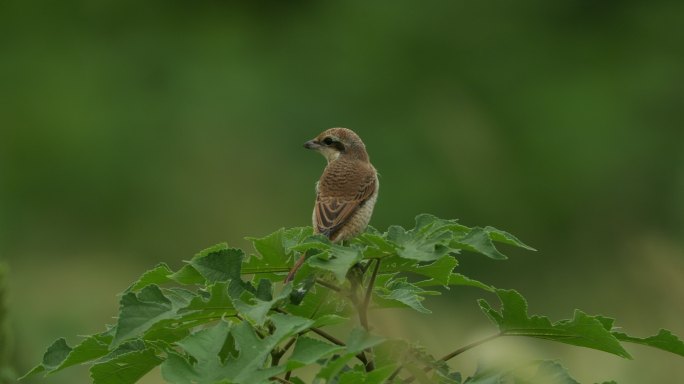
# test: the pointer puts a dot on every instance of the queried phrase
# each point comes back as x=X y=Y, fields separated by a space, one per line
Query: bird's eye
x=328 y=141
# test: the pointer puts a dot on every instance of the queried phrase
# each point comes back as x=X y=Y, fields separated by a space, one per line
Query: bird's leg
x=295 y=268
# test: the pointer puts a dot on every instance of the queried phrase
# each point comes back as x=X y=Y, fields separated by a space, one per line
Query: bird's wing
x=332 y=212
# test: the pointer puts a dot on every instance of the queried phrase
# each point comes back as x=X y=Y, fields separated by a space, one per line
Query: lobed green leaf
x=307 y=351
x=219 y=263
x=536 y=372
x=402 y=291
x=337 y=259
x=139 y=311
x=664 y=340
x=206 y=347
x=126 y=368
x=582 y=330
x=158 y=275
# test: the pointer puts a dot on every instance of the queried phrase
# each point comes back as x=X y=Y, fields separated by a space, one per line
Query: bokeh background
x=138 y=132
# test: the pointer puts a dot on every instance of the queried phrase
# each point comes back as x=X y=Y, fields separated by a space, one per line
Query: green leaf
x=274 y=250
x=158 y=275
x=376 y=245
x=126 y=368
x=219 y=263
x=316 y=241
x=207 y=306
x=406 y=293
x=206 y=344
x=328 y=320
x=188 y=275
x=134 y=345
x=52 y=358
x=377 y=376
x=256 y=310
x=359 y=339
x=333 y=367
x=417 y=246
x=56 y=354
x=177 y=370
x=552 y=372
x=139 y=311
x=303 y=283
x=205 y=347
x=457 y=279
x=438 y=271
x=506 y=238
x=246 y=368
x=320 y=302
x=338 y=260
x=664 y=340
x=308 y=351
x=582 y=330
x=91 y=348
x=536 y=372
x=478 y=240
x=215 y=302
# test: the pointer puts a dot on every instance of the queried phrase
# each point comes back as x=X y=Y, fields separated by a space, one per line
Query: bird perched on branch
x=347 y=190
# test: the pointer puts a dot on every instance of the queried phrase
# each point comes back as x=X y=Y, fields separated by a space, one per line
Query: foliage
x=227 y=318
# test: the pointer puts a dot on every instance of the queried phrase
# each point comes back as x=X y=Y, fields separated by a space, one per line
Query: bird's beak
x=312 y=144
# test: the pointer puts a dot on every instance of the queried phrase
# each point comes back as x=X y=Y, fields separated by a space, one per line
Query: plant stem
x=328 y=285
x=457 y=352
x=339 y=342
x=277 y=355
x=363 y=311
x=278 y=379
x=371 y=284
x=328 y=336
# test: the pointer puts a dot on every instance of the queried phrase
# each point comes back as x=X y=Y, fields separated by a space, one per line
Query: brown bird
x=347 y=190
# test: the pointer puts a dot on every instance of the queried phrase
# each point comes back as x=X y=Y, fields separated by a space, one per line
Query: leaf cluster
x=225 y=317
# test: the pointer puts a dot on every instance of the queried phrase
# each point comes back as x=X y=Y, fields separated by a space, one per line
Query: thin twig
x=328 y=285
x=395 y=373
x=278 y=379
x=328 y=336
x=276 y=356
x=363 y=311
x=369 y=288
x=337 y=341
x=457 y=352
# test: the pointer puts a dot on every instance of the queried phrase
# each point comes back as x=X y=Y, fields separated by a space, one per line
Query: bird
x=346 y=191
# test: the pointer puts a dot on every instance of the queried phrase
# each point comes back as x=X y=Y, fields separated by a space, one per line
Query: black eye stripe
x=330 y=142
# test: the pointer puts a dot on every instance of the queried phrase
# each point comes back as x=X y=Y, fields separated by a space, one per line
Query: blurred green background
x=139 y=132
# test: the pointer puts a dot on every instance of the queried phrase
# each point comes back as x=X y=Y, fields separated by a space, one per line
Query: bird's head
x=335 y=142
